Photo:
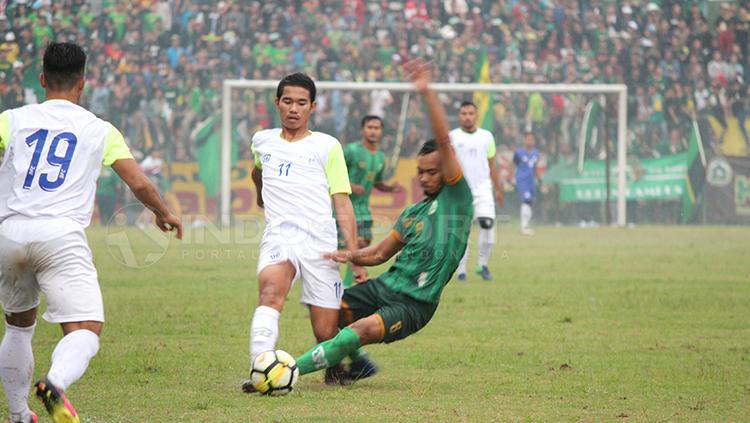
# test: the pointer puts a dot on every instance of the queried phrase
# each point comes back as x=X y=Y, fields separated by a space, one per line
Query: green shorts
x=364 y=231
x=400 y=314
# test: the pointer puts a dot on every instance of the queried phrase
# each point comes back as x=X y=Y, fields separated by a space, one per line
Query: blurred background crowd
x=156 y=66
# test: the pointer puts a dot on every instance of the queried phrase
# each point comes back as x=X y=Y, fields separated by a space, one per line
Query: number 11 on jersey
x=281 y=168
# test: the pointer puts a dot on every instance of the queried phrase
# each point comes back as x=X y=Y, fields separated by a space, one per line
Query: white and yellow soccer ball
x=274 y=373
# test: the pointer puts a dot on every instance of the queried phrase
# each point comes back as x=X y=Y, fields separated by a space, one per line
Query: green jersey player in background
x=365 y=163
x=431 y=237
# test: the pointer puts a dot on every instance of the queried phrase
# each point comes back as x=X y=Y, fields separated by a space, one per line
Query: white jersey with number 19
x=54 y=152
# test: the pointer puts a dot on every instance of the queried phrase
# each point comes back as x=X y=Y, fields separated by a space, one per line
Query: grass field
x=645 y=324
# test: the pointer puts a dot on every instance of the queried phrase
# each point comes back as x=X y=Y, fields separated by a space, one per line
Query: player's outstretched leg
x=329 y=353
x=16 y=369
x=70 y=359
x=486 y=241
x=55 y=402
x=361 y=366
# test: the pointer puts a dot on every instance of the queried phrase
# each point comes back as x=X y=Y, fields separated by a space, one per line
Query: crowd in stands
x=156 y=66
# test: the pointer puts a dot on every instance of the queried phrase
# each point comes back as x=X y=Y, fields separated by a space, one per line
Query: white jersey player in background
x=475 y=149
x=300 y=178
x=53 y=154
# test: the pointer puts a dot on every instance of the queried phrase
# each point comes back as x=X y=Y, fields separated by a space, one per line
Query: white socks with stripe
x=17 y=369
x=71 y=357
x=264 y=331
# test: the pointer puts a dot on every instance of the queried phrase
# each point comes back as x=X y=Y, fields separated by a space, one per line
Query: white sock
x=525 y=215
x=71 y=357
x=462 y=263
x=17 y=369
x=264 y=331
x=486 y=241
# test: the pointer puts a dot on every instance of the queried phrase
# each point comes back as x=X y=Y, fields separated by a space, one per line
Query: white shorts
x=484 y=206
x=60 y=267
x=321 y=281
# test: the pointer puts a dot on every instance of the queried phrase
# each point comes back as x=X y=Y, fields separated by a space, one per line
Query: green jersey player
x=366 y=163
x=431 y=236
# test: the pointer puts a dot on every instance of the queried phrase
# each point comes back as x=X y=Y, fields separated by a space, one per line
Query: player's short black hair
x=369 y=118
x=297 y=79
x=430 y=146
x=63 y=65
x=467 y=103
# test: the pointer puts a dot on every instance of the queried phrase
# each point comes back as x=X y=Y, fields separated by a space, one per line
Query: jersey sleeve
x=459 y=192
x=348 y=155
x=336 y=171
x=491 y=149
x=115 y=148
x=4 y=130
x=401 y=229
x=256 y=156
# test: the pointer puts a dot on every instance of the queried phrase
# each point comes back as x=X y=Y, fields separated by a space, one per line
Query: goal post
x=620 y=90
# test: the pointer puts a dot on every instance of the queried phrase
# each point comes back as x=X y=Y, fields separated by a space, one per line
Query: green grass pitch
x=643 y=324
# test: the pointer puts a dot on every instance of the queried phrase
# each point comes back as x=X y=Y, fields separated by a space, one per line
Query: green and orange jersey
x=434 y=232
x=365 y=169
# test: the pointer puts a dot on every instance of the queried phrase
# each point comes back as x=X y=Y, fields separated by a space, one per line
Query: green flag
x=588 y=134
x=696 y=173
x=483 y=100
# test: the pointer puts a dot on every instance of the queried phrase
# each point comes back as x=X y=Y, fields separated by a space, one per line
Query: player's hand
x=499 y=197
x=360 y=273
x=358 y=189
x=170 y=223
x=340 y=256
x=419 y=73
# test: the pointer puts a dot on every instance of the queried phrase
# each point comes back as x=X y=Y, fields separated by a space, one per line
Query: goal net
x=580 y=130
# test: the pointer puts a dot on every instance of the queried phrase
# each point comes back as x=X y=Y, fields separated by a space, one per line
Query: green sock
x=349 y=276
x=329 y=353
x=358 y=354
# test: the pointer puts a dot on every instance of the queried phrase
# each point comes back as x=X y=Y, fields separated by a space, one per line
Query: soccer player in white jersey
x=475 y=149
x=300 y=177
x=53 y=154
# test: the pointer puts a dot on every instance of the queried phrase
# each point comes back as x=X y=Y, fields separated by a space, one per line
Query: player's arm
x=382 y=186
x=257 y=176
x=145 y=191
x=491 y=155
x=345 y=218
x=419 y=72
x=372 y=255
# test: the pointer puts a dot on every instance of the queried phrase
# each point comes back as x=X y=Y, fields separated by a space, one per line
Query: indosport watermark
x=134 y=241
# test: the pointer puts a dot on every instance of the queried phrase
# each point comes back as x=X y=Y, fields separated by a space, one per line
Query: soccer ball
x=274 y=373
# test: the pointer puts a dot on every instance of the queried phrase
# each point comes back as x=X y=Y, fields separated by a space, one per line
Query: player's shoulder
x=324 y=142
x=265 y=135
x=486 y=134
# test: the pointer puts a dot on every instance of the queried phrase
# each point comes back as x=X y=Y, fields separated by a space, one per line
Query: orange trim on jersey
x=455 y=179
x=397 y=236
x=382 y=325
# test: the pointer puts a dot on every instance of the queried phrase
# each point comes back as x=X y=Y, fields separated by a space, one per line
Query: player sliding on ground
x=54 y=153
x=431 y=236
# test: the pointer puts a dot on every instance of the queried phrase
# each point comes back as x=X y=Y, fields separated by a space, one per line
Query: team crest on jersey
x=408 y=221
x=418 y=227
x=362 y=164
x=266 y=158
x=433 y=207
